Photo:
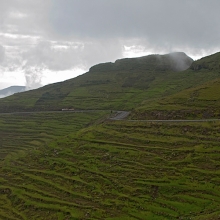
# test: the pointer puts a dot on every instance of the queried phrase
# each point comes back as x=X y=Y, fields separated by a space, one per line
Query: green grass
x=20 y=132
x=115 y=170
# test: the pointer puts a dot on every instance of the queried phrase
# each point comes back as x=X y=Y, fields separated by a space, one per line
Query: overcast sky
x=43 y=41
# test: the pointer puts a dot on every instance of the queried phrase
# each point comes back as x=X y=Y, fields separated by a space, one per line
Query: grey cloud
x=33 y=77
x=68 y=57
x=162 y=25
x=2 y=54
x=24 y=17
x=171 y=22
x=44 y=54
x=4 y=7
x=102 y=50
x=63 y=35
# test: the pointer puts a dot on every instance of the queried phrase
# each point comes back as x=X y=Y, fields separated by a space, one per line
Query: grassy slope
x=200 y=99
x=24 y=134
x=122 y=85
x=21 y=132
x=117 y=170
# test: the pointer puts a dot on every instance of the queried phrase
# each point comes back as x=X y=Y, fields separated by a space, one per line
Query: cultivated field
x=109 y=170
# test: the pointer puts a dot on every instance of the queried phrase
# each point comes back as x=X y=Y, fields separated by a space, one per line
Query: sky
x=46 y=41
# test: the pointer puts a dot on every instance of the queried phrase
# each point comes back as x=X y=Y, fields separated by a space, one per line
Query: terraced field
x=114 y=170
x=25 y=131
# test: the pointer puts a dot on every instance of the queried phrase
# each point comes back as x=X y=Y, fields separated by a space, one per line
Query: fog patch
x=180 y=61
x=2 y=53
x=33 y=77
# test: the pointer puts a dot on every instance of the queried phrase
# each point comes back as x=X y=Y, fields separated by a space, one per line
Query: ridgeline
x=121 y=85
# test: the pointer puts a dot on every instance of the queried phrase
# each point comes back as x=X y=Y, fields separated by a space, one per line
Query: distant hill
x=11 y=90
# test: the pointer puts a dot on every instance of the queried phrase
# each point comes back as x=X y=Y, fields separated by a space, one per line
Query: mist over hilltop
x=177 y=61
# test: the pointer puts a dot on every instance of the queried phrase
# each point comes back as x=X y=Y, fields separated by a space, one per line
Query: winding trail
x=178 y=120
x=119 y=116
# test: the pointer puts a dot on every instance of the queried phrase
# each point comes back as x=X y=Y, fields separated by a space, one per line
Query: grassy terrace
x=27 y=131
x=111 y=170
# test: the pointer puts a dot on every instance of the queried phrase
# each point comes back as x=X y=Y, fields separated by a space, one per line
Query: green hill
x=150 y=86
x=210 y=63
x=120 y=85
x=200 y=99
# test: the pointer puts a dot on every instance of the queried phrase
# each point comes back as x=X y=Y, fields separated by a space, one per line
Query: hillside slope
x=111 y=170
x=150 y=83
x=120 y=85
x=202 y=100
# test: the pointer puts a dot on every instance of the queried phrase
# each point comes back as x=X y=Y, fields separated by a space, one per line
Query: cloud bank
x=53 y=35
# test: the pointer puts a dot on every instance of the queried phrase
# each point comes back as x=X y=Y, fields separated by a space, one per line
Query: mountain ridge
x=176 y=61
x=126 y=84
